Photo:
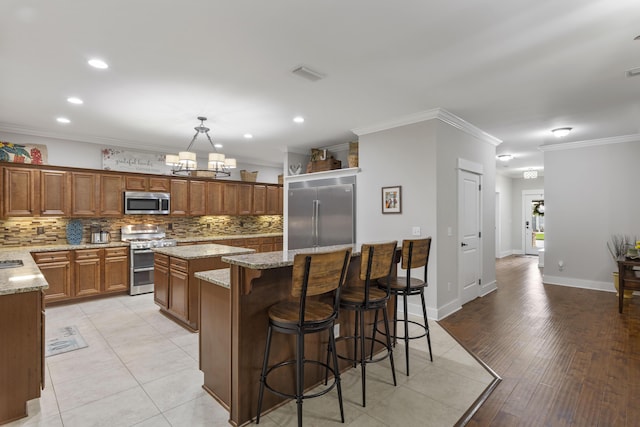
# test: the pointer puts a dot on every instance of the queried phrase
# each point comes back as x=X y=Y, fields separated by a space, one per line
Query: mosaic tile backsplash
x=16 y=232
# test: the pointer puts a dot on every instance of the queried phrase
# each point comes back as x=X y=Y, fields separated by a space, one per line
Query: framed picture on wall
x=392 y=200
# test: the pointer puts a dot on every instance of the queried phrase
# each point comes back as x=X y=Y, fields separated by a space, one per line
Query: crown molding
x=591 y=143
x=435 y=113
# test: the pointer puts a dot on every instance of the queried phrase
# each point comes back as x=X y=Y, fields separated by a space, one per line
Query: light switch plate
x=415 y=231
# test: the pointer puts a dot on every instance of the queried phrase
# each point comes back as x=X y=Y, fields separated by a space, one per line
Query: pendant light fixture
x=185 y=162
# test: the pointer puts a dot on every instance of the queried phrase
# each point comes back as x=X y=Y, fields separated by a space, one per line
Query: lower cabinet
x=179 y=288
x=161 y=280
x=84 y=272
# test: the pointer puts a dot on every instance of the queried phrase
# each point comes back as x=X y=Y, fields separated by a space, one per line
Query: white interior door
x=533 y=225
x=469 y=271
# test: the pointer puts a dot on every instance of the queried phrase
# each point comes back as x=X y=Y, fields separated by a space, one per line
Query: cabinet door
x=197 y=198
x=179 y=293
x=215 y=198
x=54 y=193
x=272 y=199
x=277 y=245
x=111 y=198
x=162 y=185
x=87 y=266
x=230 y=199
x=179 y=197
x=19 y=192
x=135 y=183
x=84 y=194
x=58 y=275
x=245 y=196
x=116 y=269
x=161 y=280
x=280 y=201
x=259 y=206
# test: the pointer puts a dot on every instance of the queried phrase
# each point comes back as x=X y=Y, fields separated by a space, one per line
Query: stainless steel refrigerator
x=321 y=213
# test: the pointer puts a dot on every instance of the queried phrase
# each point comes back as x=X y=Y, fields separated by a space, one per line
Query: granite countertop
x=202 y=251
x=20 y=279
x=220 y=277
x=267 y=260
x=226 y=237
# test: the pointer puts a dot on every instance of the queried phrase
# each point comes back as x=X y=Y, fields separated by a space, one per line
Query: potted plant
x=618 y=245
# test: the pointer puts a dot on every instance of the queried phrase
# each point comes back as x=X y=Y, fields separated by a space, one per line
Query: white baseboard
x=504 y=254
x=488 y=288
x=578 y=283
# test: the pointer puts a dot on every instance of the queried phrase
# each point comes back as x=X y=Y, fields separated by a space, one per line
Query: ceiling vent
x=308 y=73
x=634 y=72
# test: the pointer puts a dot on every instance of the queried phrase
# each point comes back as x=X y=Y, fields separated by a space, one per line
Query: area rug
x=65 y=339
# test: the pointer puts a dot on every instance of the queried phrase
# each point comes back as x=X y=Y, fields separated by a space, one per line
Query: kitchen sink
x=11 y=263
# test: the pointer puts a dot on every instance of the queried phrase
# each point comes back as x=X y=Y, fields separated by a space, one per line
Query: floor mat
x=64 y=340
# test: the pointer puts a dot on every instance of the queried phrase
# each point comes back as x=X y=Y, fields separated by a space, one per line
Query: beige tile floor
x=141 y=369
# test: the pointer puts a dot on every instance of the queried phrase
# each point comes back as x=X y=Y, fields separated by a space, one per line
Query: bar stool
x=415 y=254
x=314 y=275
x=376 y=263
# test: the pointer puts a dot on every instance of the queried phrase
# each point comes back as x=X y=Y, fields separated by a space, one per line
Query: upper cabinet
x=111 y=199
x=259 y=206
x=245 y=199
x=179 y=197
x=197 y=198
x=147 y=183
x=55 y=193
x=84 y=194
x=19 y=192
x=273 y=200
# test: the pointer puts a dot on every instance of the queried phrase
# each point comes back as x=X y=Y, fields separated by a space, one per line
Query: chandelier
x=185 y=161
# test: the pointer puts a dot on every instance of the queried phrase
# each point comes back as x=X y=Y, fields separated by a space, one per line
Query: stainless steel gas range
x=142 y=238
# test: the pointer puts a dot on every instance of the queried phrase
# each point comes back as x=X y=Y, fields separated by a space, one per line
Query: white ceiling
x=513 y=68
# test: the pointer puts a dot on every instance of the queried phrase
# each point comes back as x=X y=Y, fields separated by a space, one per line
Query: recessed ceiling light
x=248 y=136
x=98 y=63
x=505 y=157
x=298 y=119
x=63 y=120
x=217 y=145
x=560 y=132
x=74 y=100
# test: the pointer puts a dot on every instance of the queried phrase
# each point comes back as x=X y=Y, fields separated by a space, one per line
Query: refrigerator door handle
x=316 y=205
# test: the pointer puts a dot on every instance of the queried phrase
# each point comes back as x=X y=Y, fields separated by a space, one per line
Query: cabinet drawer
x=179 y=264
x=161 y=259
x=116 y=252
x=87 y=253
x=42 y=257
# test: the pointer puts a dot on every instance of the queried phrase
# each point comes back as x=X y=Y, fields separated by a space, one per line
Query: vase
x=616 y=282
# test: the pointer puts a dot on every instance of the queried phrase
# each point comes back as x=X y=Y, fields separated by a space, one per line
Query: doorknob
x=463 y=244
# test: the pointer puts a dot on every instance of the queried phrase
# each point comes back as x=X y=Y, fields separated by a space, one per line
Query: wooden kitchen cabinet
x=179 y=197
x=179 y=288
x=161 y=280
x=197 y=198
x=245 y=199
x=84 y=194
x=56 y=269
x=230 y=201
x=55 y=193
x=272 y=200
x=280 y=201
x=215 y=198
x=111 y=199
x=87 y=269
x=116 y=269
x=19 y=192
x=147 y=183
x=259 y=205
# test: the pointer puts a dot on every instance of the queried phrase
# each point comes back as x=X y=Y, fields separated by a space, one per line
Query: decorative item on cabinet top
x=35 y=154
x=248 y=176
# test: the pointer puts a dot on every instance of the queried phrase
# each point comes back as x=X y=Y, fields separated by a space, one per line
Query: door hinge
x=479 y=282
x=479 y=233
x=479 y=187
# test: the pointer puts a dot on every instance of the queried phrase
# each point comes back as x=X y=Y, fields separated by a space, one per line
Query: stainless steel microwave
x=146 y=203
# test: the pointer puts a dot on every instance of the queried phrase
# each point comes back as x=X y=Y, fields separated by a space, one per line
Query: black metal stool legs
x=426 y=324
x=263 y=374
x=299 y=375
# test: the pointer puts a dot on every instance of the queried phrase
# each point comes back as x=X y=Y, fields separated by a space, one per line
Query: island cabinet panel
x=245 y=199
x=161 y=280
x=259 y=205
x=215 y=198
x=54 y=193
x=116 y=269
x=87 y=269
x=111 y=199
x=21 y=352
x=56 y=269
x=197 y=198
x=179 y=197
x=19 y=192
x=84 y=194
x=273 y=200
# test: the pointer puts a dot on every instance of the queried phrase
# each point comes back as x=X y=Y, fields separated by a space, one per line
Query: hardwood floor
x=565 y=355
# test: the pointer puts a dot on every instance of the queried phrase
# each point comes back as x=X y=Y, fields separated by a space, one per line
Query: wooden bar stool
x=376 y=263
x=415 y=254
x=314 y=275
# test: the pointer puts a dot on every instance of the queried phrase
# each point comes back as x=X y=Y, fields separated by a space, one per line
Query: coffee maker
x=98 y=235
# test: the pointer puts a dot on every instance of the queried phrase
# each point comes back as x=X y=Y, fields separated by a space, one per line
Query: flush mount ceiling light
x=63 y=120
x=530 y=174
x=308 y=73
x=248 y=136
x=505 y=157
x=298 y=119
x=560 y=132
x=75 y=100
x=98 y=63
x=185 y=162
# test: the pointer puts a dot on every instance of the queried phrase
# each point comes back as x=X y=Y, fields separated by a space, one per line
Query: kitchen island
x=234 y=309
x=177 y=291
x=21 y=333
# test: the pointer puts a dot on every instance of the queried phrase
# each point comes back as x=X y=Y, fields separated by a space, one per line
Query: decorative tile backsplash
x=24 y=231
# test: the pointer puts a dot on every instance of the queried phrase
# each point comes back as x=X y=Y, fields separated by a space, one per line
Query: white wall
x=590 y=194
x=517 y=187
x=504 y=188
x=89 y=155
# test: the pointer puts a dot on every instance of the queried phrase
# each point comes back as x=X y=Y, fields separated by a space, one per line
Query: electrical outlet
x=208 y=225
x=170 y=226
x=40 y=230
x=336 y=330
x=415 y=231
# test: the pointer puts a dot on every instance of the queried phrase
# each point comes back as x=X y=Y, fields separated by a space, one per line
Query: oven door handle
x=143 y=251
x=138 y=270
